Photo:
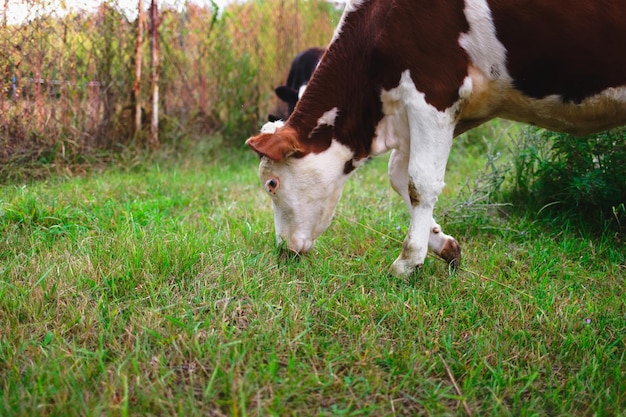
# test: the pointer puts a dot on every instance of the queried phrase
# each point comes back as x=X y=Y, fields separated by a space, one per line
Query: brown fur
x=574 y=49
x=451 y=253
x=414 y=195
x=365 y=59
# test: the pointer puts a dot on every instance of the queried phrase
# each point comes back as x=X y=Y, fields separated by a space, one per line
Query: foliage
x=65 y=90
x=583 y=176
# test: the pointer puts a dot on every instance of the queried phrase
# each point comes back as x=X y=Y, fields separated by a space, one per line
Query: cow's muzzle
x=296 y=244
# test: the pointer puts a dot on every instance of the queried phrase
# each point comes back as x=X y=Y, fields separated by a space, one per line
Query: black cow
x=302 y=68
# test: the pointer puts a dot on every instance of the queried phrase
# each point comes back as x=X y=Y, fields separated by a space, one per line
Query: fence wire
x=67 y=70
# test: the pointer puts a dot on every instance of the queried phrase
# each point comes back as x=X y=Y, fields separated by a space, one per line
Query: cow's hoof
x=402 y=268
x=451 y=253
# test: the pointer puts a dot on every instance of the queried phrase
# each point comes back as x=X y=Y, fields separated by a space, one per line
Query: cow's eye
x=272 y=185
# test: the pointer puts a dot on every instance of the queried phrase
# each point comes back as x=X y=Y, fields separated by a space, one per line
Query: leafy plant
x=585 y=176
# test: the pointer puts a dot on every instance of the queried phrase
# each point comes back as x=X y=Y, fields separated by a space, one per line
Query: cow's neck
x=344 y=81
x=369 y=52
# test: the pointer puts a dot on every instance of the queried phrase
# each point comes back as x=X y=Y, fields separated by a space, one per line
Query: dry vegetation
x=67 y=82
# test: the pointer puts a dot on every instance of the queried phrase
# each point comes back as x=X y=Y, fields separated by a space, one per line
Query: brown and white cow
x=410 y=75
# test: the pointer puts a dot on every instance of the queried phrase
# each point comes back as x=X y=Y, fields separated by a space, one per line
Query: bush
x=580 y=176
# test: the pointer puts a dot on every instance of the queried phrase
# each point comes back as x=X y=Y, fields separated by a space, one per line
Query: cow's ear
x=275 y=146
x=286 y=94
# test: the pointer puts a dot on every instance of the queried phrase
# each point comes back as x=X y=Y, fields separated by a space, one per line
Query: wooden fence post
x=153 y=138
x=138 y=55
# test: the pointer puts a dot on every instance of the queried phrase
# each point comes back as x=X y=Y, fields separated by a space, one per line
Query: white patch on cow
x=431 y=137
x=421 y=137
x=310 y=188
x=271 y=127
x=352 y=5
x=392 y=131
x=466 y=89
x=600 y=112
x=481 y=43
x=616 y=94
x=328 y=118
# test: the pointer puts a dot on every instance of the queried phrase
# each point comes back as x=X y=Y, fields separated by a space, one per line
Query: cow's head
x=288 y=95
x=304 y=185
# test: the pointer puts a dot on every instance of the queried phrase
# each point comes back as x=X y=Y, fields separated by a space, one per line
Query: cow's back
x=574 y=49
x=559 y=65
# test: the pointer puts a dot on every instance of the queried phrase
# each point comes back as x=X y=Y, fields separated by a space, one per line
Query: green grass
x=156 y=290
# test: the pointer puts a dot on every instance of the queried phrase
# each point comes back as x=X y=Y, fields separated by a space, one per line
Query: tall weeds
x=67 y=80
x=580 y=177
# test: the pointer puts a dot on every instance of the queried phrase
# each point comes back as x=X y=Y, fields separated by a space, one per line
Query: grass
x=155 y=289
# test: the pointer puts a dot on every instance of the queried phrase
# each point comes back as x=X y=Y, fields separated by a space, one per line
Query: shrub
x=581 y=176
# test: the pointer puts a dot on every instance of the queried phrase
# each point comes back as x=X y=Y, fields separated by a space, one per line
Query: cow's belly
x=601 y=112
x=490 y=99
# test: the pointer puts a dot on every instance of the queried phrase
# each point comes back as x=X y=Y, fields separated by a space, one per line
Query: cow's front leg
x=440 y=243
x=431 y=139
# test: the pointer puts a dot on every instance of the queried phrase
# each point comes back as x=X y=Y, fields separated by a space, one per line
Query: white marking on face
x=271 y=127
x=328 y=118
x=310 y=188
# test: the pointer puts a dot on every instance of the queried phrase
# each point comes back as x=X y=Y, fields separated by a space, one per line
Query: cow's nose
x=305 y=245
x=297 y=244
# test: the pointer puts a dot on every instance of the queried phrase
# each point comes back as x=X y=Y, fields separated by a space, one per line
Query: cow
x=407 y=76
x=300 y=72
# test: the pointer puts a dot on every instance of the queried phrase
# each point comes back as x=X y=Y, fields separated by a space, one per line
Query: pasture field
x=153 y=288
